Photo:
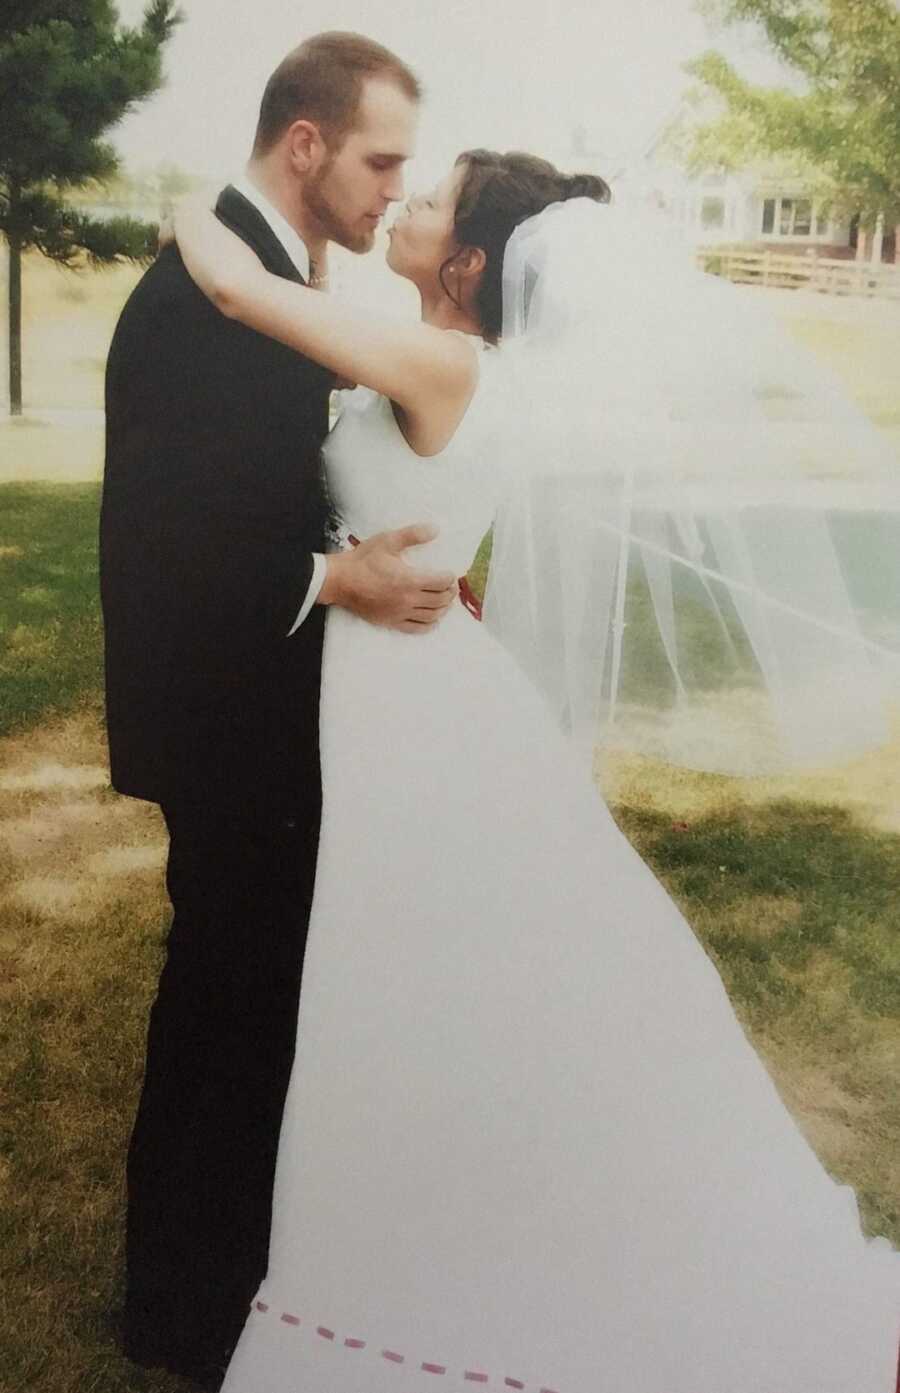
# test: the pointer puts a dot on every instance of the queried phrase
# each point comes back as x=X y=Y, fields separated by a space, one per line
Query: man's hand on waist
x=376 y=582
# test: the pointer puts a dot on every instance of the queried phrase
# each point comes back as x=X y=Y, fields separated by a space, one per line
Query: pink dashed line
x=470 y=1375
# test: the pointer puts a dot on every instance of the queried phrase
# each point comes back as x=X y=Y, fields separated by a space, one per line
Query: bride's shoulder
x=473 y=349
x=475 y=341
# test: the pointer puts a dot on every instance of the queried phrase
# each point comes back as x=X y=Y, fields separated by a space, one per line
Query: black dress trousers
x=220 y=1044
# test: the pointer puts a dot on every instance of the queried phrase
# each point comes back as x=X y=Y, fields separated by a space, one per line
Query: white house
x=780 y=212
x=755 y=208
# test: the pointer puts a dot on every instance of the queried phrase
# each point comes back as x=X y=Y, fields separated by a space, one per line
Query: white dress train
x=526 y=1143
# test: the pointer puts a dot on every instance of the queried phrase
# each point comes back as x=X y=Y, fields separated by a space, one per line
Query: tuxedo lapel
x=239 y=214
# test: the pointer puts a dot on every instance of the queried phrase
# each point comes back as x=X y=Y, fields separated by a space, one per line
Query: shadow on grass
x=829 y=883
x=797 y=904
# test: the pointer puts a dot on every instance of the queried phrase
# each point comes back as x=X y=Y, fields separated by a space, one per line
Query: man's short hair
x=322 y=81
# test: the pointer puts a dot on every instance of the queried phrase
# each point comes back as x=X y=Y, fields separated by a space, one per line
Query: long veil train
x=698 y=554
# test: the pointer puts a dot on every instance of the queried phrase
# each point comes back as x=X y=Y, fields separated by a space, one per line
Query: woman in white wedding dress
x=526 y=1144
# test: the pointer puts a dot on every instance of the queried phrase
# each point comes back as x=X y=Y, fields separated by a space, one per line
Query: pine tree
x=68 y=71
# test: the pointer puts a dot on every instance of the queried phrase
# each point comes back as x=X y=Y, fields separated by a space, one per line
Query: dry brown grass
x=68 y=320
x=82 y=917
x=65 y=451
x=73 y=847
x=859 y=340
x=868 y=786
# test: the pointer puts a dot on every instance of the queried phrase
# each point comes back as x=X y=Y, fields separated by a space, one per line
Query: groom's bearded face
x=352 y=189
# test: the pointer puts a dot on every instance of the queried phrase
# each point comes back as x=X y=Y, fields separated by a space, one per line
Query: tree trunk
x=15 y=327
x=897 y=244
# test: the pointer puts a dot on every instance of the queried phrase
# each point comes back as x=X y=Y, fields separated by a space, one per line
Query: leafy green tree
x=68 y=71
x=842 y=125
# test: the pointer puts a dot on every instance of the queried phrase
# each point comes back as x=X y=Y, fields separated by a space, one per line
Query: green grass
x=51 y=637
x=836 y=878
x=479 y=568
x=50 y=630
x=794 y=898
x=797 y=904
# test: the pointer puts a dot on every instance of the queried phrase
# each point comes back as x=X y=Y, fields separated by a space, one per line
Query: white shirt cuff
x=320 y=570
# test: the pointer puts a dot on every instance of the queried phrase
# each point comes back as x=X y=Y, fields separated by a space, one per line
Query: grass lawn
x=858 y=339
x=790 y=883
x=791 y=886
x=67 y=322
x=50 y=631
x=42 y=450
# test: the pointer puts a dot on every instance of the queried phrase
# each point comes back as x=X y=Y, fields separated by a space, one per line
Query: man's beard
x=315 y=196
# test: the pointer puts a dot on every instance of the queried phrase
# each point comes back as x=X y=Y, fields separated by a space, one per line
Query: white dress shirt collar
x=292 y=242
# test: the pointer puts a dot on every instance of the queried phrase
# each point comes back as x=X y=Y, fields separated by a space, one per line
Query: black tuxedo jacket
x=213 y=501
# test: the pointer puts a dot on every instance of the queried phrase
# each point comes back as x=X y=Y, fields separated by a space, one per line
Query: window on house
x=794 y=216
x=712 y=212
x=802 y=223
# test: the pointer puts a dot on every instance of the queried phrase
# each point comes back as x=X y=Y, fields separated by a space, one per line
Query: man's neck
x=272 y=188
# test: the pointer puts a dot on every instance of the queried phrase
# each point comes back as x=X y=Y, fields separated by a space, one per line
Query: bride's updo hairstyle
x=498 y=192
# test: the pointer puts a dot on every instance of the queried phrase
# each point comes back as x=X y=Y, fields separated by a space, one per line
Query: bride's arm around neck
x=429 y=373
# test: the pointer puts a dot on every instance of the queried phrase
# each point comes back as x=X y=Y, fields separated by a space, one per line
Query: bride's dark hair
x=497 y=193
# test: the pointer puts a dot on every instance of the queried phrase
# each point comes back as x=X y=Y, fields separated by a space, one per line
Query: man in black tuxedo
x=214 y=584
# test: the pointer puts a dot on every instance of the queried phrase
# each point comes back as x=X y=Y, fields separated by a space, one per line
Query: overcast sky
x=501 y=73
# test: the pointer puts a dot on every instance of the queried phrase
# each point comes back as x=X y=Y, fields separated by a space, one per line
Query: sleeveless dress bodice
x=378 y=482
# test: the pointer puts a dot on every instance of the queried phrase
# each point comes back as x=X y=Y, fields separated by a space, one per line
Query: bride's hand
x=166 y=231
x=216 y=259
x=165 y=234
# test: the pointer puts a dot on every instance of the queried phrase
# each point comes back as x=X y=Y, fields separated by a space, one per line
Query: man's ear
x=306 y=147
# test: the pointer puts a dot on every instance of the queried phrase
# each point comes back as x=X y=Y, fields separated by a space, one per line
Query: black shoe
x=207 y=1373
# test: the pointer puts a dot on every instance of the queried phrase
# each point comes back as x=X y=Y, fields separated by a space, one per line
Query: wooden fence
x=777 y=269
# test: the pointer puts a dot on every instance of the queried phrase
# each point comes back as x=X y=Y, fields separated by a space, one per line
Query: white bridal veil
x=698 y=552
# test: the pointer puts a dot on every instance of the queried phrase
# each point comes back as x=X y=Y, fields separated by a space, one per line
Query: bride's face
x=421 y=238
